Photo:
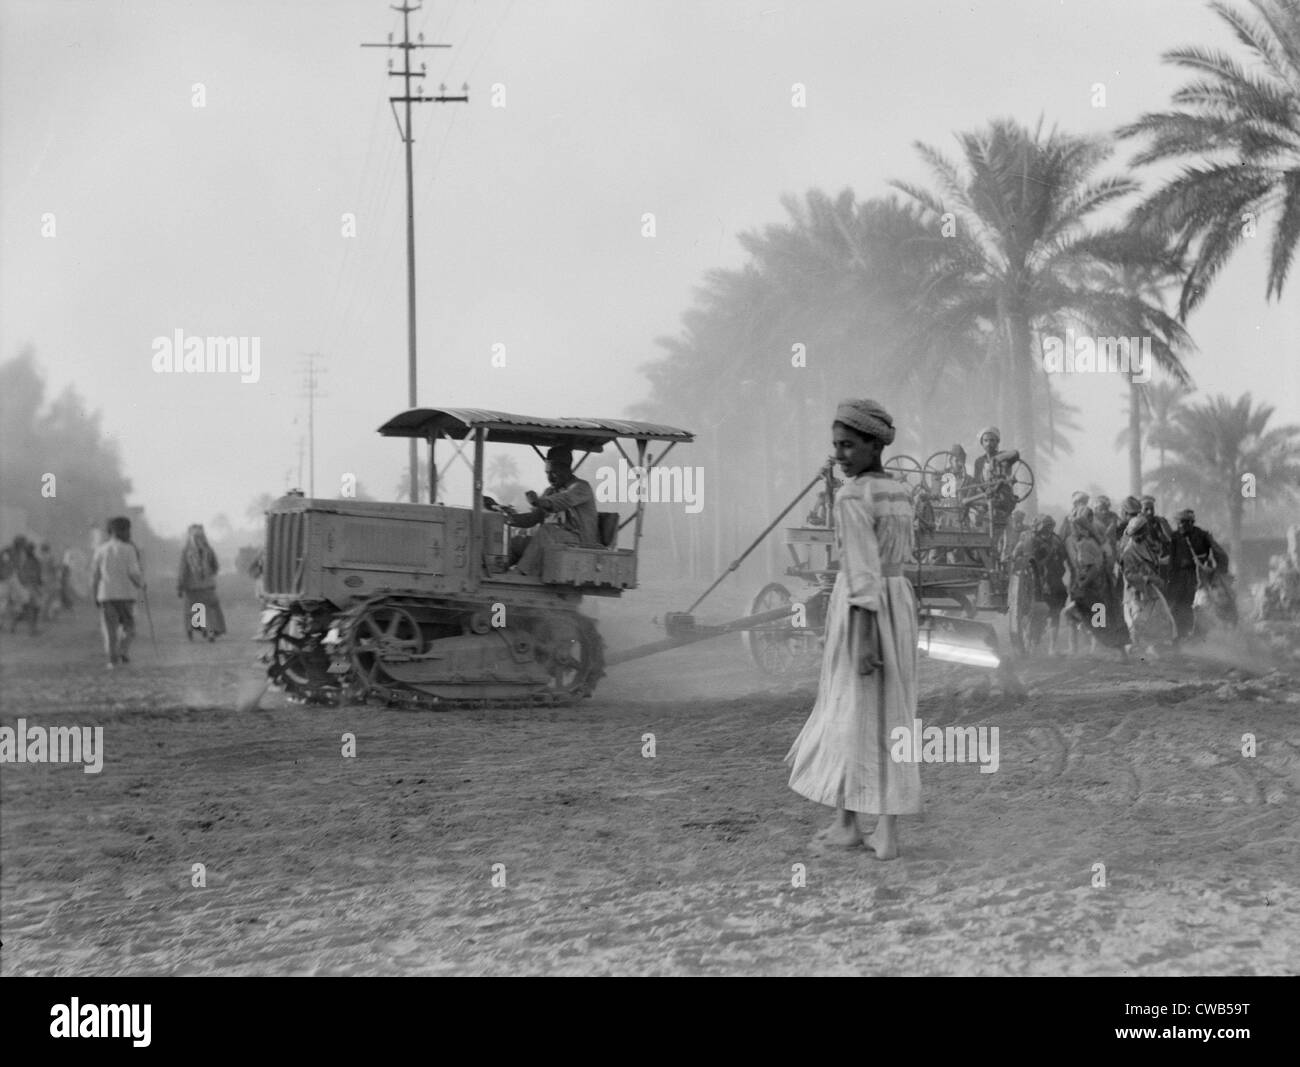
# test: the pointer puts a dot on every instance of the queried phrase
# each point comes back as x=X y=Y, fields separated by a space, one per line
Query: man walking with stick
x=115 y=579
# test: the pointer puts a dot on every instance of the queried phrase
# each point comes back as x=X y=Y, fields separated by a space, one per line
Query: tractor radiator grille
x=379 y=543
x=285 y=540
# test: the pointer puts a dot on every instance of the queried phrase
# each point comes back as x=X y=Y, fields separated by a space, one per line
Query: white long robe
x=842 y=758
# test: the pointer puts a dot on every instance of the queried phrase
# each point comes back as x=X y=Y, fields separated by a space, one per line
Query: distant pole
x=406 y=74
x=312 y=386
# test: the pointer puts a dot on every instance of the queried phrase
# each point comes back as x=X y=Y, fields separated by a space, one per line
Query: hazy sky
x=225 y=220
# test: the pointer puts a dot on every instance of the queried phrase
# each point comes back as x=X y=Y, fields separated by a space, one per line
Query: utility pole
x=406 y=74
x=311 y=384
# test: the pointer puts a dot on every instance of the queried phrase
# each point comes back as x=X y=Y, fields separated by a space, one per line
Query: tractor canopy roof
x=589 y=435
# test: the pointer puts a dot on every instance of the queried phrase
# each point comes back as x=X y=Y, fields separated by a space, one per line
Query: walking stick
x=153 y=637
x=144 y=595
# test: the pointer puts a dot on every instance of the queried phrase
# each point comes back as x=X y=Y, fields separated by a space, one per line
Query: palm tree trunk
x=1024 y=366
x=1135 y=440
x=1235 y=508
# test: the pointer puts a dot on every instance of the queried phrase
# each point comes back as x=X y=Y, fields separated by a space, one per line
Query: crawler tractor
x=413 y=604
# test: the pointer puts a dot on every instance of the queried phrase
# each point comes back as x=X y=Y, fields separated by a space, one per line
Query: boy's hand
x=870 y=660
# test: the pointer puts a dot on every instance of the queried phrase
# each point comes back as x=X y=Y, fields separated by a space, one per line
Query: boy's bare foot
x=839 y=837
x=842 y=832
x=884 y=840
x=865 y=831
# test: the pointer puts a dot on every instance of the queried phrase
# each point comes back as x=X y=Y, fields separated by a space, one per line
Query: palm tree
x=1137 y=293
x=502 y=471
x=1224 y=453
x=1161 y=401
x=1241 y=131
x=1022 y=260
x=839 y=276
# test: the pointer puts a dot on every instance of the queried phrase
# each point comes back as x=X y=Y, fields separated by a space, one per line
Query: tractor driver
x=565 y=514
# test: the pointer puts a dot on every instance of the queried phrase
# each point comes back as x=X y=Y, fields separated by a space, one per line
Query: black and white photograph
x=651 y=488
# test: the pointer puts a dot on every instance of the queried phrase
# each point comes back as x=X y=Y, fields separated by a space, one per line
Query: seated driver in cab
x=565 y=514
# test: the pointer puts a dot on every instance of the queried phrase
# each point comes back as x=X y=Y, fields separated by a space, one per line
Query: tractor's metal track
x=351 y=688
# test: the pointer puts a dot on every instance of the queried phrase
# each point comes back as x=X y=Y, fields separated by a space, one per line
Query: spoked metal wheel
x=299 y=663
x=907 y=470
x=1021 y=481
x=937 y=465
x=385 y=631
x=778 y=648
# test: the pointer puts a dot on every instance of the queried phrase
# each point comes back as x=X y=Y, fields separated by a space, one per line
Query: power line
x=404 y=130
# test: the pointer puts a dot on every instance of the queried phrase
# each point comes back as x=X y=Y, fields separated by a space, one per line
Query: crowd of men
x=36 y=584
x=1126 y=579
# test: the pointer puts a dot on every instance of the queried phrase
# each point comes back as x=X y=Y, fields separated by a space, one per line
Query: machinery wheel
x=777 y=647
x=571 y=651
x=907 y=470
x=298 y=663
x=937 y=465
x=1022 y=594
x=1021 y=481
x=385 y=631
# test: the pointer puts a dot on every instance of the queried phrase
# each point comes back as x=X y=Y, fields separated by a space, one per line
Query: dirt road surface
x=614 y=862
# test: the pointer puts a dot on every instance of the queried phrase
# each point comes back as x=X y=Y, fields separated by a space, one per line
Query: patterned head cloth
x=867 y=417
x=1045 y=522
x=1131 y=505
x=1103 y=501
x=1149 y=499
x=1187 y=514
x=990 y=431
x=1079 y=499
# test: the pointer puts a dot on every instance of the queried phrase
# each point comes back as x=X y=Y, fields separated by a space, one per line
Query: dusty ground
x=619 y=864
